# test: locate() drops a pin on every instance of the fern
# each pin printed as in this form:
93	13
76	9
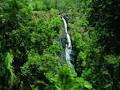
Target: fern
8	64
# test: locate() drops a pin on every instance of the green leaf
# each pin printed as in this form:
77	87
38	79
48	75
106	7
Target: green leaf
87	85
8	60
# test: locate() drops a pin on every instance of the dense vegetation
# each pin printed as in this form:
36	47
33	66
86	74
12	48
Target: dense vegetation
30	47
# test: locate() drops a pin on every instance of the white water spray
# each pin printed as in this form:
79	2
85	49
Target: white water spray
68	48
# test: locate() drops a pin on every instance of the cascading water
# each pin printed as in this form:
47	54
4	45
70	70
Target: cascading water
68	46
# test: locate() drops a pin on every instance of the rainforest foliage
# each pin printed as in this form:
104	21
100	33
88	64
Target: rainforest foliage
30	44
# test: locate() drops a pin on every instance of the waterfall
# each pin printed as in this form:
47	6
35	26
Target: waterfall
68	45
